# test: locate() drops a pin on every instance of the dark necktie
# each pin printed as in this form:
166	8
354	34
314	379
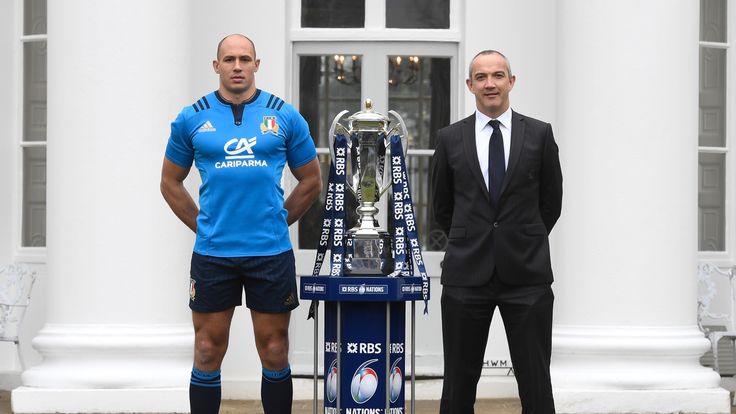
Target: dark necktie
496	162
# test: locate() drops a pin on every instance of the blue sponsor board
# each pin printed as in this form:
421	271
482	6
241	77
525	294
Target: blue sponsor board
371	370
360	289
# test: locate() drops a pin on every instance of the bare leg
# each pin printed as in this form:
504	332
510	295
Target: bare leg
211	334
272	341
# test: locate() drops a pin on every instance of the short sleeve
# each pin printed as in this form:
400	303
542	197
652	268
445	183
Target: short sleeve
180	150
300	146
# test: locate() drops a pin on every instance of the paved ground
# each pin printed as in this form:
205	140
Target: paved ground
495	406
305	407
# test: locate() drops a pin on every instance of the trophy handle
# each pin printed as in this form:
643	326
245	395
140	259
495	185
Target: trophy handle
337	127
399	128
404	133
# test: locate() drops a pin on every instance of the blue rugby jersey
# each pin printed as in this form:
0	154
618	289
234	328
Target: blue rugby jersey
240	152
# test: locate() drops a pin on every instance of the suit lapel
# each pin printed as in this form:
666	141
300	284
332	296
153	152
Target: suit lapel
517	143
471	152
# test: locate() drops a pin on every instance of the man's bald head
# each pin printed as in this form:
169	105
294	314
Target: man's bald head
219	45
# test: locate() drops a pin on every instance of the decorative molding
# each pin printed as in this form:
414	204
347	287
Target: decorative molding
630	358
112	356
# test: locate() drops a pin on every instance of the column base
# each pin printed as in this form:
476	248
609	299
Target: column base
628	369
112	368
90	357
709	400
42	400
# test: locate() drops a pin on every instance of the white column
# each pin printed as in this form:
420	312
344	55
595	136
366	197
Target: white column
118	335
625	335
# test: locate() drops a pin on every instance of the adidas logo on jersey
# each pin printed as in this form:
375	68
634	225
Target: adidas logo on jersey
207	127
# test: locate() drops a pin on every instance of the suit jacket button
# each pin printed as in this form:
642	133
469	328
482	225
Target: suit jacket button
495	224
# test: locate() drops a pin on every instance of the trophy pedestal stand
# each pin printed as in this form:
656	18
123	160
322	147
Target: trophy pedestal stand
364	341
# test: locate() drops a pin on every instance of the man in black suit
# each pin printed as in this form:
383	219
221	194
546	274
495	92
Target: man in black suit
497	193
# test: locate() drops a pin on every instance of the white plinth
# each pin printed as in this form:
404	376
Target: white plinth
108	368
624	369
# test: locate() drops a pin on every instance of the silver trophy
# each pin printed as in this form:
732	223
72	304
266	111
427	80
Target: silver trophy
368	247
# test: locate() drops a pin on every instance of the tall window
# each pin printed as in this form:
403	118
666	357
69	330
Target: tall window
714	160
408	75
418	89
33	138
399	14
402	54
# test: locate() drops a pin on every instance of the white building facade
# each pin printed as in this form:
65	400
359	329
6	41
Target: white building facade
648	190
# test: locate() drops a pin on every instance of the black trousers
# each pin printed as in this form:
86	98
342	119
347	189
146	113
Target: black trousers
466	318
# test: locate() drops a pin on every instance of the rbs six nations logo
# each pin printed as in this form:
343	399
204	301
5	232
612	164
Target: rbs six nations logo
396	381
331	382
365	382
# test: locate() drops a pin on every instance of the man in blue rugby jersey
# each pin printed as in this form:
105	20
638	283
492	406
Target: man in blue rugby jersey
240	138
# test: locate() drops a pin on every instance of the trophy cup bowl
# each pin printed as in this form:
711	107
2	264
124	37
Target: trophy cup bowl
369	250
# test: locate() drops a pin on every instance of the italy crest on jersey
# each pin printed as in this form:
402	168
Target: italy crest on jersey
269	125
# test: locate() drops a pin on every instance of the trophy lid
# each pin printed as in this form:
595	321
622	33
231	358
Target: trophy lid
367	119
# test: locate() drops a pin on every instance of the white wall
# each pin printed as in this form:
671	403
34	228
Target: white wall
524	31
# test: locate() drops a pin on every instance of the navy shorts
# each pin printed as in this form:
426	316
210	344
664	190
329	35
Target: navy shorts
217	283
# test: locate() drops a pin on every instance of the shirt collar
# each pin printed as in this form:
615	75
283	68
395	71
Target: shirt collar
482	119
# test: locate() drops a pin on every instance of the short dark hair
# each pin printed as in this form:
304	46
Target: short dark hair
219	45
488	52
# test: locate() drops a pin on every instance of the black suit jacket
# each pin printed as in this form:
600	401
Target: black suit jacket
511	237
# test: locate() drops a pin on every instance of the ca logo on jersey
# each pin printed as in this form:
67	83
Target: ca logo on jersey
237	146
269	125
240	154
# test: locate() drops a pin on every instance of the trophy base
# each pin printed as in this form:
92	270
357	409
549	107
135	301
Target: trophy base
369	255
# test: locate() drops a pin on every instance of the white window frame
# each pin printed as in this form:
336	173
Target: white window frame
23	253
373	38
727	257
394	41
374	29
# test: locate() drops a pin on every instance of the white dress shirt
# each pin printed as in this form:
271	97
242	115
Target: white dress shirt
483	133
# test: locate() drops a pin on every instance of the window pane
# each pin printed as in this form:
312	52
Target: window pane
34	17
712	125
34	197
418	14
711	202
419	90
34	91
327	86
333	13
713	20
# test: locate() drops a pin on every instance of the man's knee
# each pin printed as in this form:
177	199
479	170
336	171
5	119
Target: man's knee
209	351
275	351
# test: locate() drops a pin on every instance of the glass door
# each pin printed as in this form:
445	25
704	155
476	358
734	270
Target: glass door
419	80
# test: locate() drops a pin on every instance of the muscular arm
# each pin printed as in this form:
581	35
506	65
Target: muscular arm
305	192
178	198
